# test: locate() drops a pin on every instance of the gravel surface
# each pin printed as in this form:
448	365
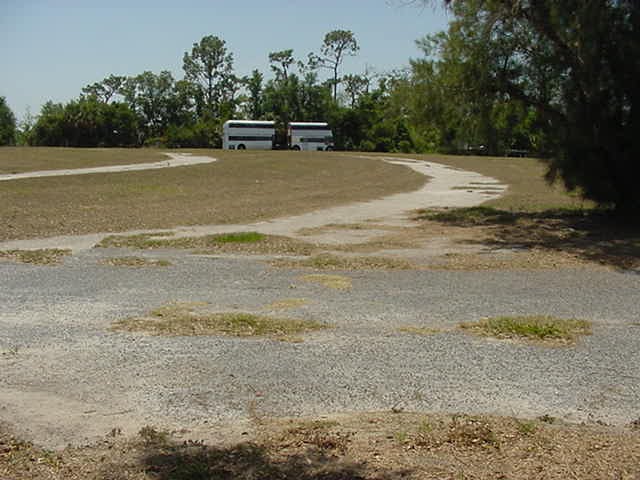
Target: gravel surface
66	378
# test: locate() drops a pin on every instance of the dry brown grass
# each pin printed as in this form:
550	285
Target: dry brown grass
287	304
370	446
186	319
248	243
135	262
334	282
241	187
328	261
557	238
416	330
46	256
30	159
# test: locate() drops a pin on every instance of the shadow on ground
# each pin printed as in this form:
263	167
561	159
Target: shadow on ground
590	235
164	460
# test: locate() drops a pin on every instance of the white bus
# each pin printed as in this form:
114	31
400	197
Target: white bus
309	136
248	134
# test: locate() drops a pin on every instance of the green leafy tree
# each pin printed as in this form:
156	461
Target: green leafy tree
576	64
281	62
337	45
7	124
153	98
209	67
106	89
254	102
85	122
354	86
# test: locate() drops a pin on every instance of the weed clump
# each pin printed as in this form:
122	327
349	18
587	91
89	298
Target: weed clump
537	327
181	319
134	262
45	256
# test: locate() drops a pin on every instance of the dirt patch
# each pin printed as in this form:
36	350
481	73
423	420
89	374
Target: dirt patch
364	446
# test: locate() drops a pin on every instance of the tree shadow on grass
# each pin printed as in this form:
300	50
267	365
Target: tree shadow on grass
163	459
590	235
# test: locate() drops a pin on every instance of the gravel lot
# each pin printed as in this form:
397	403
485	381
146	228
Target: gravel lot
67	378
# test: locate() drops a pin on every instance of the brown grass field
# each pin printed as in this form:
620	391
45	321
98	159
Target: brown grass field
240	187
31	159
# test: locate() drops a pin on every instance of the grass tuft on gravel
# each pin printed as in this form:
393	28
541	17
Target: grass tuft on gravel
182	319
287	304
334	282
414	330
46	256
251	243
327	261
537	327
148	241
134	262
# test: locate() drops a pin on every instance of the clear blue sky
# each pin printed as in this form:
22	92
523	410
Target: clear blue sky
50	49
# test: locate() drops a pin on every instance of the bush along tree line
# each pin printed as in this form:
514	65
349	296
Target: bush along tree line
552	78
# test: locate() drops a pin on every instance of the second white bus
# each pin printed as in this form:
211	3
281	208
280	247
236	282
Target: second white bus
309	136
248	134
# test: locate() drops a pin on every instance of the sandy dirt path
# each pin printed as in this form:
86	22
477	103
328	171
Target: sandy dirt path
447	187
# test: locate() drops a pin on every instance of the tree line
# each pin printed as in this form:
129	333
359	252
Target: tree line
368	111
551	78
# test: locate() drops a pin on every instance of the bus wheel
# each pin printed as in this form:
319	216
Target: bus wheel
295	147
241	147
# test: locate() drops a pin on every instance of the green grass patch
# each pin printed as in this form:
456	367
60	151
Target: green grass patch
46	256
239	237
536	327
182	319
149	241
